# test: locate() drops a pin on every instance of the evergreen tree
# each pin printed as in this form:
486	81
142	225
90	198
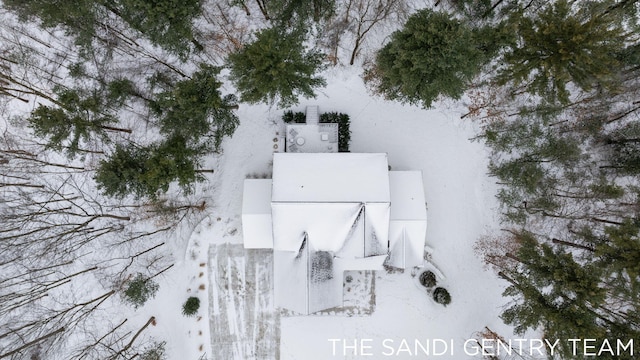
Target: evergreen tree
119	91
276	68
167	23
300	11
139	290
432	55
191	306
80	117
194	109
124	172
554	292
619	252
78	18
150	170
562	44
175	159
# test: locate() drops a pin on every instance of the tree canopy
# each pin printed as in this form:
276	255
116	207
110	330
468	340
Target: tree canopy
434	54
195	110
564	43
167	23
149	170
80	116
276	68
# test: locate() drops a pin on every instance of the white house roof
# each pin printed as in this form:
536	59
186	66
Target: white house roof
326	225
349	230
406	243
330	177
408	220
256	198
407	195
256	214
324	213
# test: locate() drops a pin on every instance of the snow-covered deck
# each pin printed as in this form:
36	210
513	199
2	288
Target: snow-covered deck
312	138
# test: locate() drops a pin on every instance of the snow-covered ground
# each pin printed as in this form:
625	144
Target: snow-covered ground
461	208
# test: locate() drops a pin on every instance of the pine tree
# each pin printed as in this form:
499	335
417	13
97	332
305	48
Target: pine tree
562	44
554	292
276	68
139	290
300	11
619	252
78	18
167	23
80	117
178	161
432	55
191	306
195	110
123	172
148	171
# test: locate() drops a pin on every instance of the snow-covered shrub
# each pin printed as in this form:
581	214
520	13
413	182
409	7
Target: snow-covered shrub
191	306
428	279
294	117
441	296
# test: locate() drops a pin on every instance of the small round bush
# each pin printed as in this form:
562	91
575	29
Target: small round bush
428	279
191	307
441	296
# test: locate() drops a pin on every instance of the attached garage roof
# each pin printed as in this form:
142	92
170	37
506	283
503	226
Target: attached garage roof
407	196
256	198
256	214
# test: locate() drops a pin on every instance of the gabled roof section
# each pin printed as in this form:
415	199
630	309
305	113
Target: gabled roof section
327	226
330	177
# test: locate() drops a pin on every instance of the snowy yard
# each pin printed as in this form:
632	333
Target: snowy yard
123	171
461	208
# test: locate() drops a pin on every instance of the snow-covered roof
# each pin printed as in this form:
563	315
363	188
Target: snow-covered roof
256	214
256	198
330	177
306	281
408	223
407	195
350	230
314	243
406	243
331	213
